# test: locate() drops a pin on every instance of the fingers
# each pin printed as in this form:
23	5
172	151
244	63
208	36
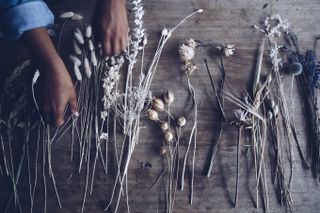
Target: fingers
114	45
58	117
107	47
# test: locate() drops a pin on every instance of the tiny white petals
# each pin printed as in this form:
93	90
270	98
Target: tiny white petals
76	48
79	37
89	31
87	68
77	72
66	15
75	60
76	17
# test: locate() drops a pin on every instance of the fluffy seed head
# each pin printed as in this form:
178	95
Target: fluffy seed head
186	52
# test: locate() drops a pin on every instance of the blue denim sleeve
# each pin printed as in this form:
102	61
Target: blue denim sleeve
25	15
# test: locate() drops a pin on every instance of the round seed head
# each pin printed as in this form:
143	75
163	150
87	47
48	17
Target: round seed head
153	115
164	126
168	136
181	121
157	104
168	97
295	68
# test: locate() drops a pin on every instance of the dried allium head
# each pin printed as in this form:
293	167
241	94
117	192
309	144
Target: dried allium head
65	15
168	97
168	136
157	104
186	52
164	126
153	115
181	121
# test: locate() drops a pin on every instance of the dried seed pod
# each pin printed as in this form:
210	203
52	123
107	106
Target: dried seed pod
168	136
77	72
94	58
90	44
181	121
153	115
76	17
75	60
157	104
163	150
164	126
65	15
89	31
79	37
295	68
76	48
168	97
87	67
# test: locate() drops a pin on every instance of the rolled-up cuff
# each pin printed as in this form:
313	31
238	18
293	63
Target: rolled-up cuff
24	17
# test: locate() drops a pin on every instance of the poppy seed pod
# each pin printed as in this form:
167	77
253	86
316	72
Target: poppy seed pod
157	104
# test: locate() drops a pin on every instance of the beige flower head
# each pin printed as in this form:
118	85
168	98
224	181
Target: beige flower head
157	104
153	115
186	52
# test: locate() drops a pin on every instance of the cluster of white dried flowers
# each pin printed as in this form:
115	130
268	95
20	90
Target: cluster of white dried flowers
226	50
187	53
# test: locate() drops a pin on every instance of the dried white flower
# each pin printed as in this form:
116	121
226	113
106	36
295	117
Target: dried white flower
153	115
227	50
168	136
157	104
65	15
168	97
164	126
79	37
90	44
75	60
76	48
76	17
186	52
89	31
77	72
181	121
94	58
87	68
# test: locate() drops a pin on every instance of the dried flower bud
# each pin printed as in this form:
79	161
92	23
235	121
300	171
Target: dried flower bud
164	126
157	104
228	50
87	67
90	44
181	121
65	15
186	52
79	37
75	60
168	136
168	97
153	115
295	68
76	48
77	72
163	150
76	17
89	31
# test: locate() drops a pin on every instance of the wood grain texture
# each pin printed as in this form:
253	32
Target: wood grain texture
229	22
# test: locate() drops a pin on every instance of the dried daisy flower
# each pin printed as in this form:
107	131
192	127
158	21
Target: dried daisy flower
181	121
66	15
168	136
168	97
186	52
157	104
153	115
164	126
88	31
227	50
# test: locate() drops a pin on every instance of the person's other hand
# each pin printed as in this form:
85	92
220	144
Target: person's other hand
110	24
55	86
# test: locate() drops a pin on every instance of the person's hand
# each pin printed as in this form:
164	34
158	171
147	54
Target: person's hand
56	87
57	92
110	24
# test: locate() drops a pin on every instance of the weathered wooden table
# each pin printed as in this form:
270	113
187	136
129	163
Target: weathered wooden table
229	22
